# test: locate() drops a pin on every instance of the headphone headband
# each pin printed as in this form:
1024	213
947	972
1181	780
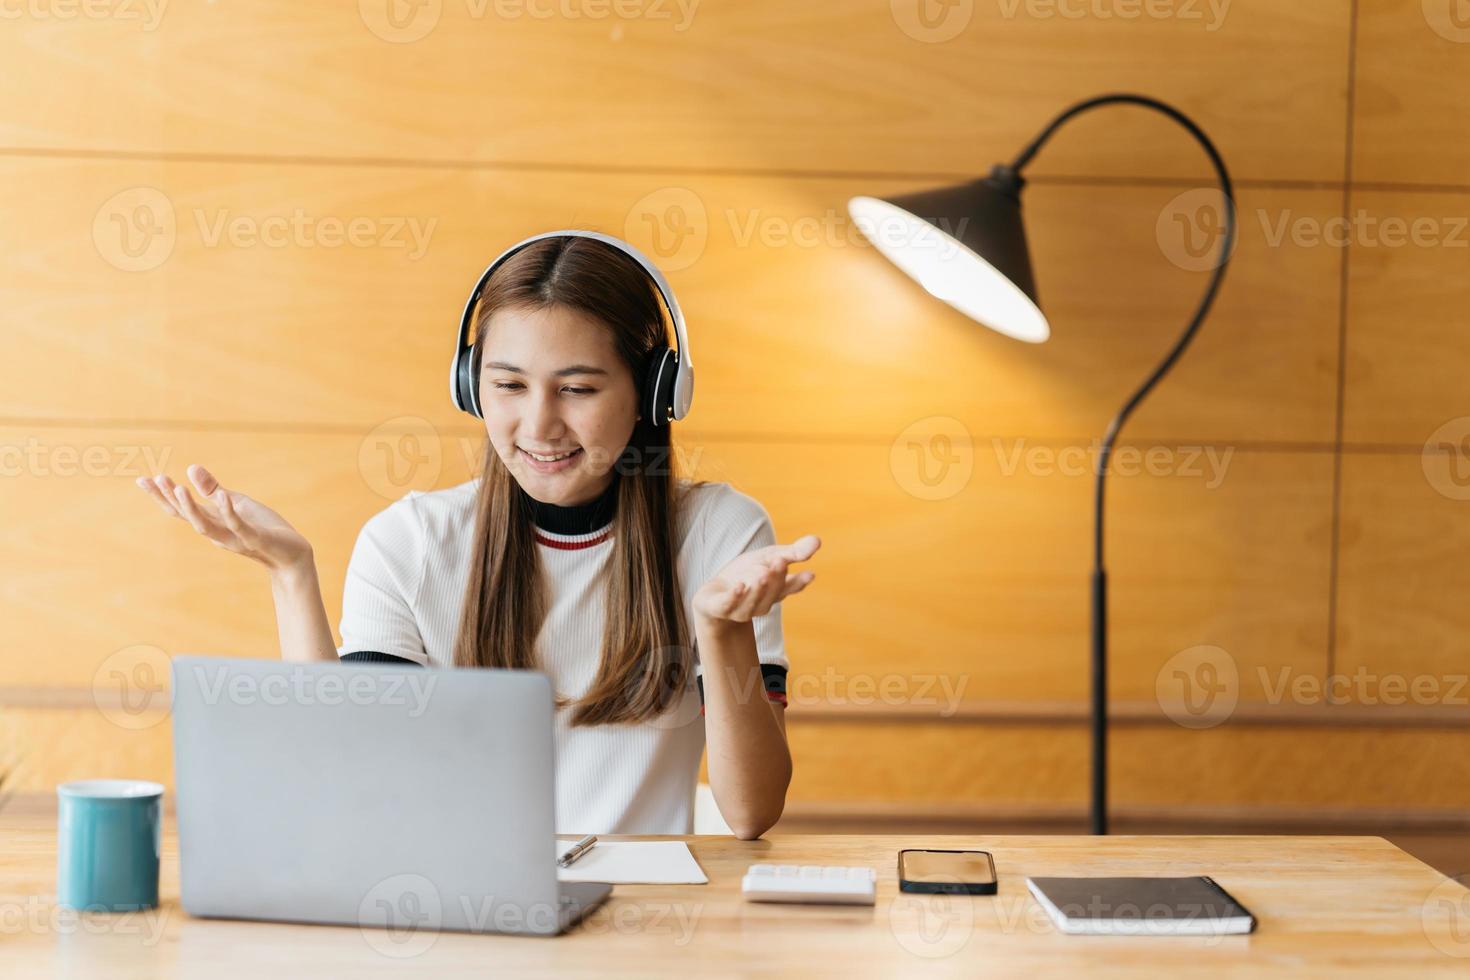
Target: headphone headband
677	390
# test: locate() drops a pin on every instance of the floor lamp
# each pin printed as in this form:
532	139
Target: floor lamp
966	245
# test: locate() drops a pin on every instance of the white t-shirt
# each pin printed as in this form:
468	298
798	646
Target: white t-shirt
405	590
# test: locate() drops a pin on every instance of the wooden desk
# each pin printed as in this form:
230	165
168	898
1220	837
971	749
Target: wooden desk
1344	906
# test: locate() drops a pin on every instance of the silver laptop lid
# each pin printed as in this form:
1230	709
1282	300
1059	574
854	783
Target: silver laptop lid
364	794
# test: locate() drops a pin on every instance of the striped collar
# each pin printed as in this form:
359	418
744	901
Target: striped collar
571	542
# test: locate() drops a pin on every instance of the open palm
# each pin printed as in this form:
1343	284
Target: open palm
755	581
232	520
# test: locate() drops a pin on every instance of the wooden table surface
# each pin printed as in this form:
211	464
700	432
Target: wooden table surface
1338	906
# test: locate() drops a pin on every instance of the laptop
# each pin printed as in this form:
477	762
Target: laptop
369	795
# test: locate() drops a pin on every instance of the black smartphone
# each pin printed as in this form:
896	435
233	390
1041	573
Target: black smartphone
946	872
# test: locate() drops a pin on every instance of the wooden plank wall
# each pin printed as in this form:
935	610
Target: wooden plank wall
239	234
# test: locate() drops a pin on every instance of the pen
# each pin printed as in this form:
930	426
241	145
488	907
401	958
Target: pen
578	849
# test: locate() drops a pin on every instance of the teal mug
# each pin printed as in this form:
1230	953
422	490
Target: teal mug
108	836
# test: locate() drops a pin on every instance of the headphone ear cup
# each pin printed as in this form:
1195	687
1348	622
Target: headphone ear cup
658	386
469	364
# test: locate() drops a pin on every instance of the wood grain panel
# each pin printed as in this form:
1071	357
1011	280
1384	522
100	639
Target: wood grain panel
1408	337
939	764
1410	116
1402	622
107	571
830	85
797	325
944	599
985	592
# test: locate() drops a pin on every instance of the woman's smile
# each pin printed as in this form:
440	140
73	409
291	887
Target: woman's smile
552	462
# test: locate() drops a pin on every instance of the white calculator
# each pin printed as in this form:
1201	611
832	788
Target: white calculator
813	883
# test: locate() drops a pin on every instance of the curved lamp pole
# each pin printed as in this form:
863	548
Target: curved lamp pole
967	246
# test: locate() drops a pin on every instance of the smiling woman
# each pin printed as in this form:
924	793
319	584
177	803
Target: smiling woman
651	601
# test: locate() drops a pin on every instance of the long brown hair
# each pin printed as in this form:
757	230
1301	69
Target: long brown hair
645	661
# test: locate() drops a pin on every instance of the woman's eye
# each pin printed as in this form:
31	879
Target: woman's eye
579	391
507	386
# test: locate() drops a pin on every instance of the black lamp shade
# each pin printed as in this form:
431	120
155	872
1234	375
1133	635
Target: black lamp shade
964	244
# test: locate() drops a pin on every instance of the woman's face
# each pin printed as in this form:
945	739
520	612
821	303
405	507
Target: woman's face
552	384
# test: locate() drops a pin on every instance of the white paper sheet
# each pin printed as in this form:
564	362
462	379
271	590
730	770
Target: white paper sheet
634	862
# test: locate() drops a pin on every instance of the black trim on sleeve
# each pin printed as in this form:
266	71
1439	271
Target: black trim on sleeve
375	657
773	676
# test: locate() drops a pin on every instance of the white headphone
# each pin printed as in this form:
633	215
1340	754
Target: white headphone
668	384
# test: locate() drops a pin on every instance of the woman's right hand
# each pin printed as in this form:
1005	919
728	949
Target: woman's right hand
235	522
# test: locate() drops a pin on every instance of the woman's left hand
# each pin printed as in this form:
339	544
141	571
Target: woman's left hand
755	581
